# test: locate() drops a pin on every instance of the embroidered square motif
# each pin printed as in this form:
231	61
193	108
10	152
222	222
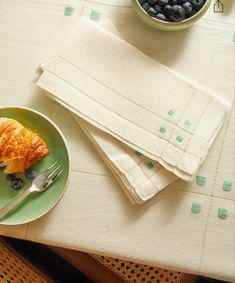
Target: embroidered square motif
138	153
201	181
227	185
150	165
68	11
95	16
171	112
196	207
162	130
222	213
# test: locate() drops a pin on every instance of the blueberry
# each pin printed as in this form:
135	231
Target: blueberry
174	2
151	11
197	4
146	6
158	9
142	2
166	10
162	2
17	183
30	173
152	2
188	8
177	13
160	17
10	177
193	13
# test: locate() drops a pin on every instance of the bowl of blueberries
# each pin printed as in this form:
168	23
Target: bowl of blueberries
170	15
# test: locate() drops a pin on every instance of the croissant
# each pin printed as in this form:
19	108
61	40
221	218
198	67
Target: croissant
20	148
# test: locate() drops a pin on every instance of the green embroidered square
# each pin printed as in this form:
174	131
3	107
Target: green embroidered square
138	153
95	16
187	123
234	37
68	11
179	138
196	207
171	112
201	181
162	130
222	213
227	185
150	165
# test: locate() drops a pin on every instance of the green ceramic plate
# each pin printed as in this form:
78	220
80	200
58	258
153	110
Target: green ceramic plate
37	204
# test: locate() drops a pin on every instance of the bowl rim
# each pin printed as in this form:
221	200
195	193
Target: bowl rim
173	24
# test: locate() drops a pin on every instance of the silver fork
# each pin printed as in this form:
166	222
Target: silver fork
39	184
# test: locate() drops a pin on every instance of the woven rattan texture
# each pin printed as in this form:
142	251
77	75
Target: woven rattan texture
139	273
13	270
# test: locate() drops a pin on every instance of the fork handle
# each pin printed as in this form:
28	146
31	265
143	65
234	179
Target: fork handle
18	199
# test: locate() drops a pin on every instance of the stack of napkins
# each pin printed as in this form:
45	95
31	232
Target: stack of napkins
149	124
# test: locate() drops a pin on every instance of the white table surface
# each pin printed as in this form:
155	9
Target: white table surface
95	215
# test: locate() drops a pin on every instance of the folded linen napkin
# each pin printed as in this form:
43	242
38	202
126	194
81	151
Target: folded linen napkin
140	177
150	109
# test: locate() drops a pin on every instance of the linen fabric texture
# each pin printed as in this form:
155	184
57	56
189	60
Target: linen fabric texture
149	129
162	231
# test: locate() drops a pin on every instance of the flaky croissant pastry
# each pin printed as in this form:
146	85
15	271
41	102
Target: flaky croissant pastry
20	148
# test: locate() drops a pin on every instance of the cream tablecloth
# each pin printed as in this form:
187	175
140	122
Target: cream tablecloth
94	214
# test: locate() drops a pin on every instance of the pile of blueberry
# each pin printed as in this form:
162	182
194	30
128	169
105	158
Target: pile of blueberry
18	183
171	10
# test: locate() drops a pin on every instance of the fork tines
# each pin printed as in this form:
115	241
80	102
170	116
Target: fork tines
53	172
